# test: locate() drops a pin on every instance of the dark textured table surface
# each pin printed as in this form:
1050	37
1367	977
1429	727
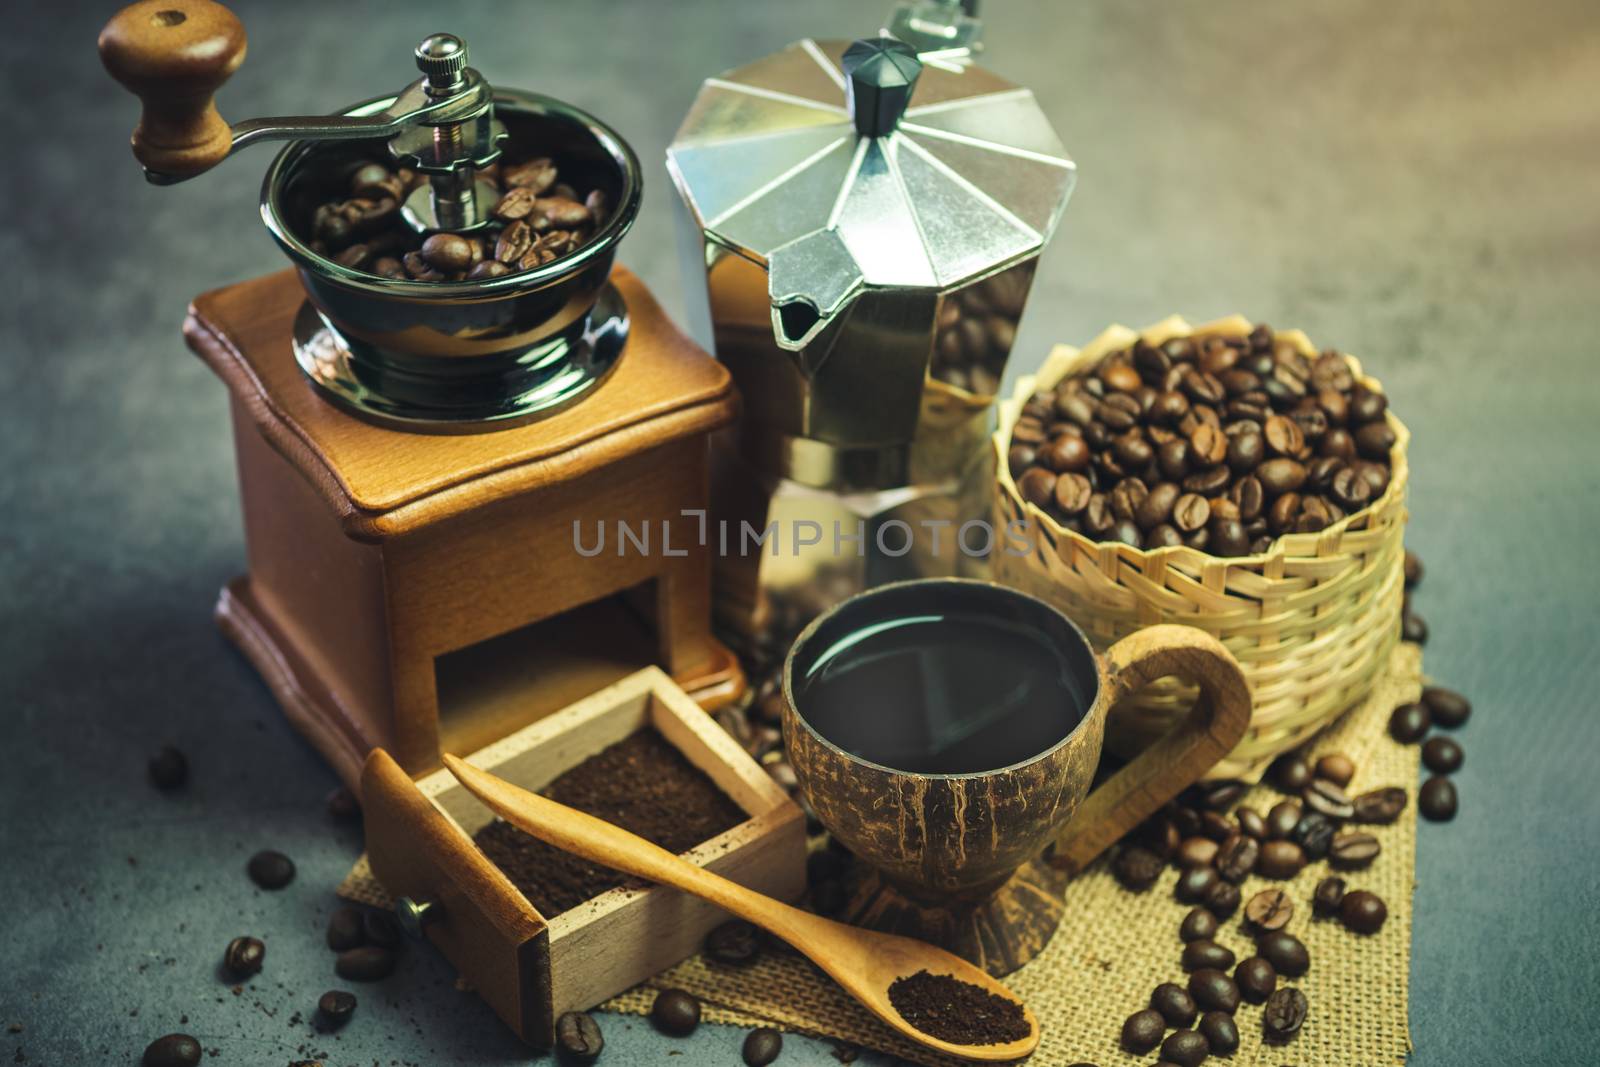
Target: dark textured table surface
1416	183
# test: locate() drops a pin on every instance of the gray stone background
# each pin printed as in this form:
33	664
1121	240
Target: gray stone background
1415	183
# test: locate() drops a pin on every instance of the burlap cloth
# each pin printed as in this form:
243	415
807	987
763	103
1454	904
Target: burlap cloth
1115	946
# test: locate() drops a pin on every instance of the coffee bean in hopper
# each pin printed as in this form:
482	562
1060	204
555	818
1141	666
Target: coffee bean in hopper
761	1047
174	1050
1327	897
1409	723
1283	1015
1270	909
1285	952
1381	806
1363	912
1198	925
1442	755
1256	979
578	1036
243	957
334	1008
1221	1032
1186	1048
1436	800
1142	1031
270	870
735	943
675	1012
1174	1004
370	963
1213	990
1449	708
1353	851
168	769
1199	955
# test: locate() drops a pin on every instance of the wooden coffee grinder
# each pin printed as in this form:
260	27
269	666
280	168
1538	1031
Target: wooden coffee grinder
426	465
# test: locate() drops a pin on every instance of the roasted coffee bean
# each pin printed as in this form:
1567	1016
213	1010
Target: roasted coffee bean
1325	899
1221	1032
1280	860
1195	883
1247	495
1190	512
1284	436
270	870
1413	569
516	204
1284	1014
1327	798
1256	979
168	769
1157	835
1251	823
1173	1002
1285	952
1246	451
1197	852
1068	452
345	929
1350	489
176	1050
1374	440
1133	451
737	943
1379	806
1216	826
1020	457
1221	794
1198	925
578	1036
342	805
1228	537
382	928
1336	768
1281	475
1157	506
1186	1048
1363	912
1282	818
1409	723
1137	868
675	1012
1413	628
1442	755
243	957
1038	487
1163	536
1213	990
370	963
1436	800
1290	772
334	1008
1222	899
488	268
447	252
1206	481
1450	710
1237	857
1201	954
1270	909
1072	493
536	174
1120	376
1314	833
761	1047
1142	1031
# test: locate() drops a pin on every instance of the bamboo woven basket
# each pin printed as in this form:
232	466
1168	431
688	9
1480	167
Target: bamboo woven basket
1312	621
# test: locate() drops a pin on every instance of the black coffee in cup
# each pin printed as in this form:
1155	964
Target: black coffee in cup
932	684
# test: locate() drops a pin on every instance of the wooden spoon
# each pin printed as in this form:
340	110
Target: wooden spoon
864	962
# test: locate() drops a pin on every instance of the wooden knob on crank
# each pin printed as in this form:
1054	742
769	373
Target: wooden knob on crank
173	55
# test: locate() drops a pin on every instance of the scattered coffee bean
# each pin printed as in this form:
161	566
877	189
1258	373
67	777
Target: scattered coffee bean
1290	772
1282	818
1222	899
1237	858
1142	1031
1327	897
1442	755
168	769
762	1047
1329	799
1269	909
345	930
1413	569
578	1036
675	1012
1409	723
1450	709
1198	955
1198	925
1437	800
174	1050
1221	1032
243	957
1285	952
1313	833
1187	821
1186	1048
1380	806
1280	860
1353	851
1197	852
270	870
1251	824
342	805
1158	836
736	943
335	1007
382	928
1363	912
1195	883
1283	1015
1174	1003
1221	794
1256	979
1414	628
1137	868
1213	990
1336	768
370	963
1217	826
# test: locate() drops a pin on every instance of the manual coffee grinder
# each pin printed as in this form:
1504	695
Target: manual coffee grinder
424	462
866	219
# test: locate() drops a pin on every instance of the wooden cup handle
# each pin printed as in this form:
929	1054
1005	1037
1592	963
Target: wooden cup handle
174	55
1217	721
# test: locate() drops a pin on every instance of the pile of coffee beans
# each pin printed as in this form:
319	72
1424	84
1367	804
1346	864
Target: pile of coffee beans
1218	443
537	219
